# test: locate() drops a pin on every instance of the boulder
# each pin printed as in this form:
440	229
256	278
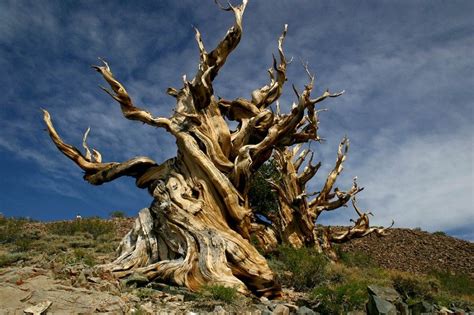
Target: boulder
382	300
385	293
402	308
303	310
379	306
147	308
421	307
458	311
281	309
39	308
219	310
136	279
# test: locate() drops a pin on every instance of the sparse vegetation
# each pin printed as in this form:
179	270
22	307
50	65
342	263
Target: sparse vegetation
145	293
94	226
355	259
13	231
117	214
440	233
301	268
414	287
335	288
455	284
341	298
219	293
8	259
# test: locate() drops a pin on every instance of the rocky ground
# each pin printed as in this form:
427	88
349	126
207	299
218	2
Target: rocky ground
417	251
52	270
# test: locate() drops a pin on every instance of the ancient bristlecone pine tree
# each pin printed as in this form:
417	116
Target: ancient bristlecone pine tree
198	228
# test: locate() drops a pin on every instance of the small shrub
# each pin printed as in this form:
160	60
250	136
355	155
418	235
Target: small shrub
9	259
117	214
94	226
83	256
23	244
219	293
457	284
439	233
301	268
145	293
355	259
341	298
76	256
415	287
10	229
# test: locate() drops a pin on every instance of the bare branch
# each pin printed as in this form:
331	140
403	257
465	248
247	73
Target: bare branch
360	229
325	95
218	56
331	179
96	172
268	94
119	94
85	146
316	206
309	171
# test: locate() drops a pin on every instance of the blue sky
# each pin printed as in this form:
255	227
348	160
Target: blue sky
406	67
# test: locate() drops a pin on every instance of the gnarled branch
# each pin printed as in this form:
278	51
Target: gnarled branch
360	229
129	110
97	172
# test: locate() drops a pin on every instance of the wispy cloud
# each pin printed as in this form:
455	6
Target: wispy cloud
407	108
424	182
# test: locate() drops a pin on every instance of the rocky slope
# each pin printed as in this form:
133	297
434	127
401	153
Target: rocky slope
50	265
417	251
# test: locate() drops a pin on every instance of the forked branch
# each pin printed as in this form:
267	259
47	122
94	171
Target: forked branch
360	229
129	110
97	172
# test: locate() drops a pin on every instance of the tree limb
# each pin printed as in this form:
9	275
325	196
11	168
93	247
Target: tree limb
119	94
96	172
360	229
331	179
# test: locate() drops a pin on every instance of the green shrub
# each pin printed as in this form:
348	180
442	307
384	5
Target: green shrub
341	298
458	284
415	287
8	259
219	293
94	226
145	293
10	229
262	198
355	259
439	233
13	231
117	214
83	256
301	268
77	256
24	243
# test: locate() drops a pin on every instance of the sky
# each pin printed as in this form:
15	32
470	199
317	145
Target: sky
406	66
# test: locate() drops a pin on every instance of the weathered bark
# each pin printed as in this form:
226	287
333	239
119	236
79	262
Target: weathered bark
295	220
198	228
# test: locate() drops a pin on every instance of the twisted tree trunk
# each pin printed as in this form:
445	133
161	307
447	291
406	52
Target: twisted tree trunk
198	228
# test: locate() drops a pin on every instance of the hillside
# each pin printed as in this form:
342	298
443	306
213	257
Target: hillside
416	251
57	262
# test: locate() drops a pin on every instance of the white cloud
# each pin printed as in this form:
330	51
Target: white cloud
426	181
406	72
